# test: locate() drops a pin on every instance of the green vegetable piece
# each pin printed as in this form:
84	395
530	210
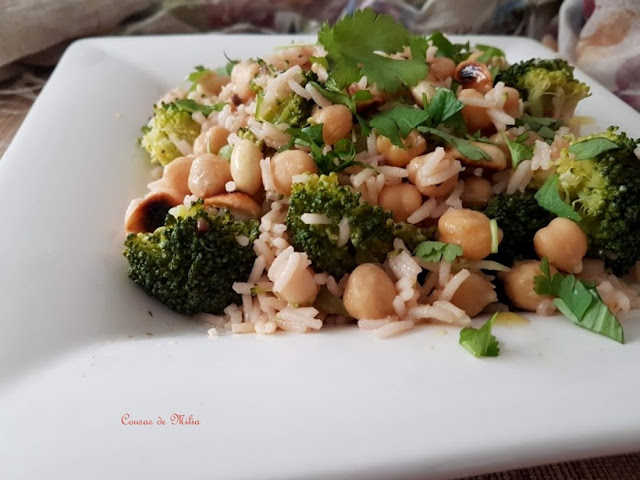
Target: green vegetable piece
579	302
495	235
372	229
191	263
352	44
458	52
547	86
432	251
169	122
191	106
465	147
488	52
480	342
519	217
519	151
592	147
548	198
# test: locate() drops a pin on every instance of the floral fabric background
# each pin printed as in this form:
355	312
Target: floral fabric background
602	37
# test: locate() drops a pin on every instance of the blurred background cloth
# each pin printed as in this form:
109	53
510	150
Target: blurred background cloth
602	37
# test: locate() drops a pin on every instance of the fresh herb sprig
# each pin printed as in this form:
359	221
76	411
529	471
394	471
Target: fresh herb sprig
341	156
432	251
548	197
354	46
480	342
579	301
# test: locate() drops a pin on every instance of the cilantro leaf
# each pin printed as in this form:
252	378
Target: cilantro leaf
431	251
197	75
463	146
457	52
398	122
548	198
519	151
592	147
488	52
480	342
336	96
579	301
543	126
443	106
191	106
340	157
353	45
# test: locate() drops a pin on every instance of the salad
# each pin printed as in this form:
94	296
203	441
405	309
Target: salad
387	180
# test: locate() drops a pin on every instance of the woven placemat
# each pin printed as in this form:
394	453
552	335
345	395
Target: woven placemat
623	467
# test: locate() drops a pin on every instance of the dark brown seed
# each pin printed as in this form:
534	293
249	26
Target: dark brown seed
202	225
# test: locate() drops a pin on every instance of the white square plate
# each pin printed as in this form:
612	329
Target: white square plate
79	348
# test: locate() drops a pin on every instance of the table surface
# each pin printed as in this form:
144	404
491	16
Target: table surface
622	467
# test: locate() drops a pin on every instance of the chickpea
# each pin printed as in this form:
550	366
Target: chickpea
519	284
512	102
477	192
441	68
425	88
285	165
245	166
302	290
421	179
212	82
475	118
241	77
414	145
176	175
215	137
369	293
336	122
475	75
475	293
563	242
208	175
402	199
496	162
469	229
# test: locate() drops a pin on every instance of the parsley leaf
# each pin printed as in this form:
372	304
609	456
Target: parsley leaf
197	75
592	147
488	52
579	301
548	198
336	96
457	52
431	251
398	122
340	157
543	126
463	146
191	106
352	45
519	151
480	342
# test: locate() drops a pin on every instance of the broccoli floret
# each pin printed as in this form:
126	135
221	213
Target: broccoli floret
372	229
520	217
168	125
291	109
191	263
605	191
547	86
